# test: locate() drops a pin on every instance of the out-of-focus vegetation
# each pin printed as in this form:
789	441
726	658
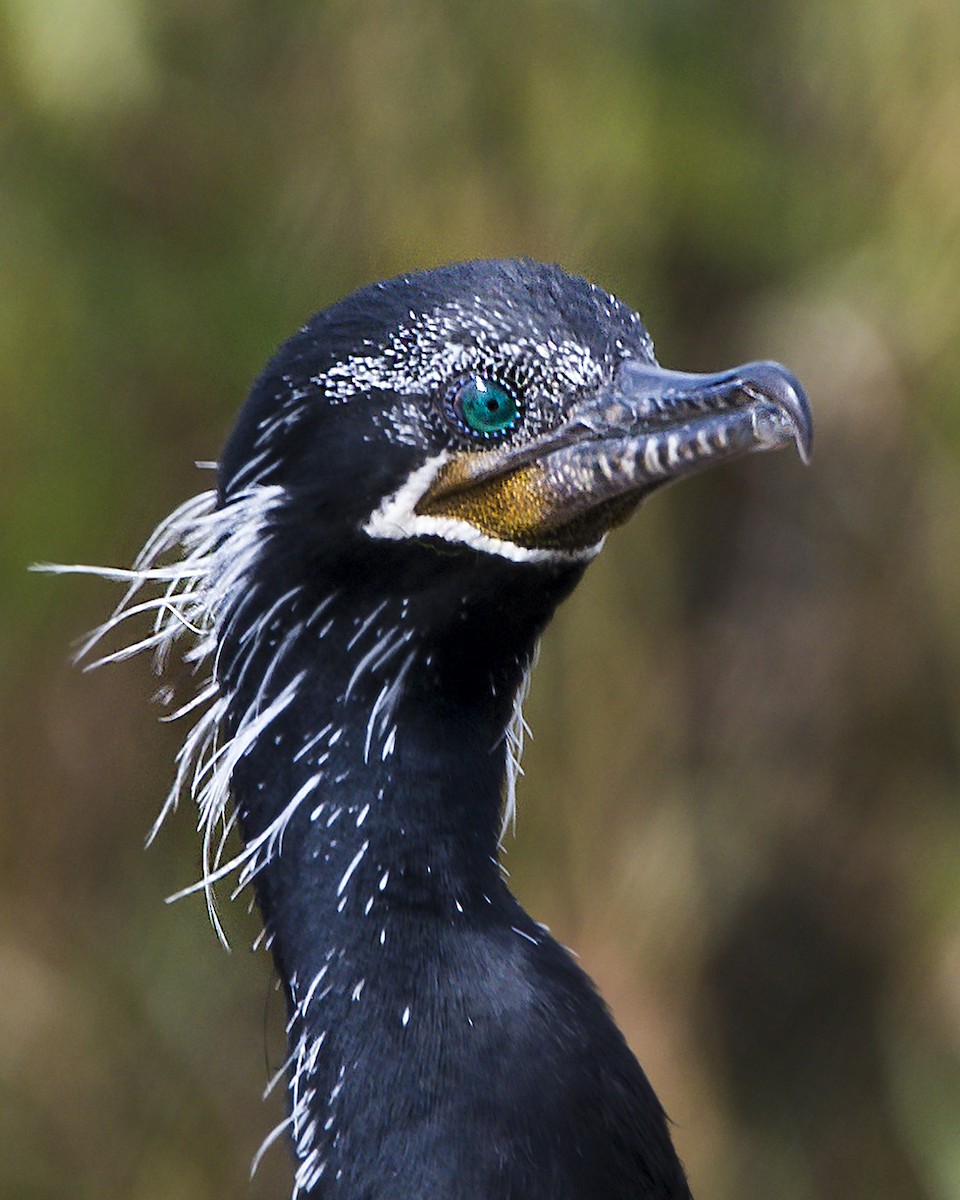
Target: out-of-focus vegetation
742	799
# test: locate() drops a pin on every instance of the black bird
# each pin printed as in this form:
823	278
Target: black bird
419	476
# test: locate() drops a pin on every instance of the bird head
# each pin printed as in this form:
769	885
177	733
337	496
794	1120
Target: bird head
489	417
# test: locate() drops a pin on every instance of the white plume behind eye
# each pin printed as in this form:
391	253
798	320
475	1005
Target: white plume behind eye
210	553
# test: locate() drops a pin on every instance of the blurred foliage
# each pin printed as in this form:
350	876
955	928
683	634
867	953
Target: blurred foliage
742	796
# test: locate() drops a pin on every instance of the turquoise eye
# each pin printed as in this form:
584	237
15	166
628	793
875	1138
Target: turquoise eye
485	407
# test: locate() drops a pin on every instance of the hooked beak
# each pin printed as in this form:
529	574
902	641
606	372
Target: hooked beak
566	488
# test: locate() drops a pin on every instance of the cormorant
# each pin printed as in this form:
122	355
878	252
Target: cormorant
419	476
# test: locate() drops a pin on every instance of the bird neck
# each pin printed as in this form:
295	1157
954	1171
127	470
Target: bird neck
371	736
381	744
372	801
367	759
380	798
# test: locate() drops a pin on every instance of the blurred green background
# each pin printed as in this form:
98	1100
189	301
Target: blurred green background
741	803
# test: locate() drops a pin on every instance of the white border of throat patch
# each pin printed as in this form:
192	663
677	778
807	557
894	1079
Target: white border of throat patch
397	519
